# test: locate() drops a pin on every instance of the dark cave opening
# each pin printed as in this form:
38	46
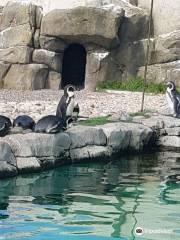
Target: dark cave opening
74	66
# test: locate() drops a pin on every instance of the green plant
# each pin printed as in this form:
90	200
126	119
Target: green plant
95	121
134	85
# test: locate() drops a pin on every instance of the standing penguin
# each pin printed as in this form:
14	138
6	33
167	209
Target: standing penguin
173	98
66	104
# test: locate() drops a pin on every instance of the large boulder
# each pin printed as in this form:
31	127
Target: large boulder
96	68
39	145
18	35
26	77
124	136
15	14
134	25
159	73
54	44
134	56
52	59
90	152
18	54
84	24
167	48
82	136
3	70
7	161
53	81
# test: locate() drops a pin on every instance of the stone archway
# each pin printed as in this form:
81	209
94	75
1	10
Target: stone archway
74	66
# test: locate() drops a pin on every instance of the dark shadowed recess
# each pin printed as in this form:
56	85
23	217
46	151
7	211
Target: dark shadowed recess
74	66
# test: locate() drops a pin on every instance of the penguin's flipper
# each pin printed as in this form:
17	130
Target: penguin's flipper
54	128
178	104
2	128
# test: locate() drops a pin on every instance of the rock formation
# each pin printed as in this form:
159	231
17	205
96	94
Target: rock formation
35	34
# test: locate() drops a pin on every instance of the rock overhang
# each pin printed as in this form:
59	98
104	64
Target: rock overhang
84	24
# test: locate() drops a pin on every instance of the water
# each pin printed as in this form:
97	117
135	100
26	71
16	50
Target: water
95	201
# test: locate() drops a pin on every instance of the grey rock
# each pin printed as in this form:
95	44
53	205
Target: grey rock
167	48
159	73
90	152
18	54
160	122
15	13
36	38
18	35
6	153
134	56
134	25
82	136
169	141
84	24
52	59
3	70
26	77
28	164
175	131
122	136
39	145
118	135
53	44
96	68
7	170
54	80
39	15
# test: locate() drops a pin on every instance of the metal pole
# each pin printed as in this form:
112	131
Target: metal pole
147	56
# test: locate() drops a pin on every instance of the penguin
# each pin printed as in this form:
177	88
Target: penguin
50	124
75	112
24	121
66	104
173	98
5	125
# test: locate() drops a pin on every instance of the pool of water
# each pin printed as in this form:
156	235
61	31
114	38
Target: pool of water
95	201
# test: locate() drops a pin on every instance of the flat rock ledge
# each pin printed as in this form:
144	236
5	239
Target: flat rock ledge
31	152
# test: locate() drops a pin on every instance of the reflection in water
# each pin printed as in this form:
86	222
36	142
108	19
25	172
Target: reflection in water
95	201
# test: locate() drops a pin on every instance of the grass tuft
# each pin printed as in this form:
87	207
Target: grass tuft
134	85
95	121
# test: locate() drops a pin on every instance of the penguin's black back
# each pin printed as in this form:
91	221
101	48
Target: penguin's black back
5	124
49	124
24	121
62	107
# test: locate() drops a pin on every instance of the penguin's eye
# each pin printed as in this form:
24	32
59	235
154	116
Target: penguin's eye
71	89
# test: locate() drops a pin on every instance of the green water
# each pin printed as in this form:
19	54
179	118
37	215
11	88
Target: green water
95	201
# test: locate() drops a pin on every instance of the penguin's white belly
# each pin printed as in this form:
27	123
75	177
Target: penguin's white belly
169	100
70	107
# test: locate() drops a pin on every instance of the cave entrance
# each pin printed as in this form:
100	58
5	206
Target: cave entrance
74	66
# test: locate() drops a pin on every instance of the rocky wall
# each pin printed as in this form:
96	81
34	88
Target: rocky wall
32	152
113	33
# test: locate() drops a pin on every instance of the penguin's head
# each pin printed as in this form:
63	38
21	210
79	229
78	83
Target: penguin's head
171	86
69	90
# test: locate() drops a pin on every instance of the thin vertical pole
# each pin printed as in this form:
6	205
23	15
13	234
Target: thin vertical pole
147	56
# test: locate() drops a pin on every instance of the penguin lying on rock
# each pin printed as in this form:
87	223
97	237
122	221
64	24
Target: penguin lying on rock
5	125
173	98
67	105
51	124
24	122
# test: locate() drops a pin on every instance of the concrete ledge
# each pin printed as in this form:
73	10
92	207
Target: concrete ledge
22	153
32	152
